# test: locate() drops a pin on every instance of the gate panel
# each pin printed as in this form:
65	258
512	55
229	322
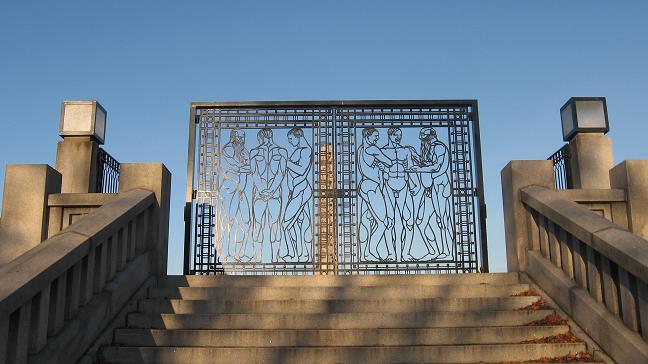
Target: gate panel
335	188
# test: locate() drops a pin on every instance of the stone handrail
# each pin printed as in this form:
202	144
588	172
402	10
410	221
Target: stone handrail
594	269
50	286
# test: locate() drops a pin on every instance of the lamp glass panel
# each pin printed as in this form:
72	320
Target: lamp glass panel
566	117
77	118
590	114
100	124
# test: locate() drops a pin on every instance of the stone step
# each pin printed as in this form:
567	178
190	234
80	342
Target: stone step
331	281
384	354
350	292
335	320
332	306
349	337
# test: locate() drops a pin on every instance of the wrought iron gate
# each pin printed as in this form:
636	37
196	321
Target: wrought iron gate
342	187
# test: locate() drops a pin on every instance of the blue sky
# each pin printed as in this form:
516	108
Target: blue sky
146	61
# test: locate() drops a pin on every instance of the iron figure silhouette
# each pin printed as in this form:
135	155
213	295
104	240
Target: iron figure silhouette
375	217
235	167
268	166
297	217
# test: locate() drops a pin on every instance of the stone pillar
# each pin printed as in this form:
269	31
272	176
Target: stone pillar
76	159
24	207
591	161
156	178
632	176
517	175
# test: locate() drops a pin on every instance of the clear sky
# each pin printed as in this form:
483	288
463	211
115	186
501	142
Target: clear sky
146	61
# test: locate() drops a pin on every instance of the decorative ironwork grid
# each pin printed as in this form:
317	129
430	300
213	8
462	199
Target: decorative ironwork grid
107	173
561	167
331	189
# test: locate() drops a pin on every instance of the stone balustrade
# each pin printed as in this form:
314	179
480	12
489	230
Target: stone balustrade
595	270
59	296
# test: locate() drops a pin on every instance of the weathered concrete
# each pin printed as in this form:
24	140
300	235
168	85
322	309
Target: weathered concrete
615	243
591	161
337	281
64	279
24	207
76	159
154	177
623	345
364	320
632	176
387	292
101	314
379	304
67	208
349	337
516	175
399	354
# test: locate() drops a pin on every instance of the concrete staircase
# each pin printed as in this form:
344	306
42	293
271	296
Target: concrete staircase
471	318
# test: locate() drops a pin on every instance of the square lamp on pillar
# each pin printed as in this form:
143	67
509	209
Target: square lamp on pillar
584	115
83	118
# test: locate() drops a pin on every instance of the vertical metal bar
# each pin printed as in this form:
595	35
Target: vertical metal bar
191	153
480	187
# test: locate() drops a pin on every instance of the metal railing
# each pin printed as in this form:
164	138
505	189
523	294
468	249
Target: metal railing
561	168
107	173
57	281
607	262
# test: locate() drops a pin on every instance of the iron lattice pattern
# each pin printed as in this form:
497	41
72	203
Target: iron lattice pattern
107	173
561	168
335	190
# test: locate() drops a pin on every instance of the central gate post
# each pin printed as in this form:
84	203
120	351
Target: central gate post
327	212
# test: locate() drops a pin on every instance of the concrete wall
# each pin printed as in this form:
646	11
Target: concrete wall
24	207
516	175
632	176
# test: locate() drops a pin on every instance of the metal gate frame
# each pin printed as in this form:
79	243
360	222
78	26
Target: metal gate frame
326	195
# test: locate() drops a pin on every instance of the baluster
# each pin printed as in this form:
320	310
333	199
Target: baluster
74	290
628	304
642	293
87	276
566	250
4	337
580	267
100	267
113	248
39	320
532	227
18	340
554	245
610	287
123	247
544	238
593	275
132	238
142	231
57	305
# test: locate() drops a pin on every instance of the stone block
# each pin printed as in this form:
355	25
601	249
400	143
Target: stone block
515	176
24	207
632	176
591	161
154	177
76	159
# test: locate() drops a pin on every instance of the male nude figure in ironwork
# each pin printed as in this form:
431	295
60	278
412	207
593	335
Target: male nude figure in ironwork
375	216
268	166
401	187
436	226
297	217
236	169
